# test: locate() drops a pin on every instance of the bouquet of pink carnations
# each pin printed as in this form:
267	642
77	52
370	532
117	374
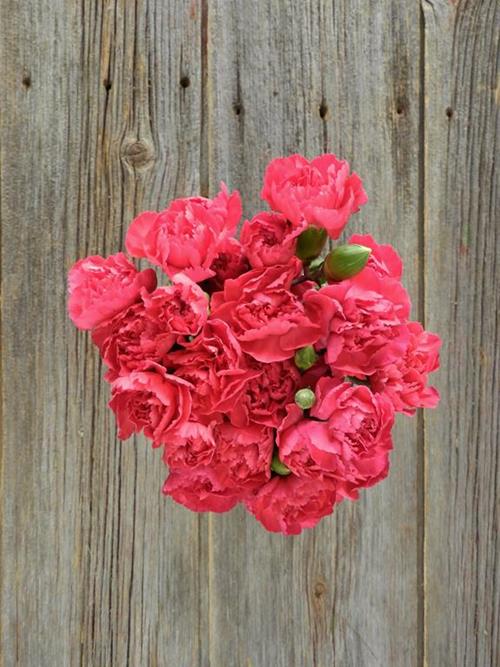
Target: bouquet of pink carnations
266	370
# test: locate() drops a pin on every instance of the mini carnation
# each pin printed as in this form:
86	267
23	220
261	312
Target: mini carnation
265	397
269	239
201	489
188	235
405	380
348	440
130	339
290	504
365	331
151	401
216	367
322	192
268	320
100	287
383	259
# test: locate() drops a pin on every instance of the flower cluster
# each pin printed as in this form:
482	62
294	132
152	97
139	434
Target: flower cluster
267	373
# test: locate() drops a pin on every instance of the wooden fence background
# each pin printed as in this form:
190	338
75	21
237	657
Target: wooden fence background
113	106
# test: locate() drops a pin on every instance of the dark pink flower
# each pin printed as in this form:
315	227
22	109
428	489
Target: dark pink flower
348	440
130	339
244	453
405	380
289	504
268	320
216	367
151	401
229	263
270	239
265	397
201	489
182	307
322	192
188	235
192	445
100	287
365	332
383	259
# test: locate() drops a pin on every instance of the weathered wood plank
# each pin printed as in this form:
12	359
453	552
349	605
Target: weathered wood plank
314	77
462	303
98	568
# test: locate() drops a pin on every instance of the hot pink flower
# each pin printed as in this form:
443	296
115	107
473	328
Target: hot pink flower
229	263
201	489
269	321
232	461
404	381
151	401
349	440
188	235
265	397
289	504
100	287
182	306
365	330
270	239
131	338
383	259
322	191
244	453
215	365
192	445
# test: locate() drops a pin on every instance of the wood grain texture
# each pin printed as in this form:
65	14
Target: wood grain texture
287	77
112	107
462	279
98	569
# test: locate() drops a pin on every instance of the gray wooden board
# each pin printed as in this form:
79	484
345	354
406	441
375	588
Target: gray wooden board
113	107
462	302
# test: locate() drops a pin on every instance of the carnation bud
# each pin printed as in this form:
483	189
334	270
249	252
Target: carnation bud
345	261
279	467
305	398
310	243
305	357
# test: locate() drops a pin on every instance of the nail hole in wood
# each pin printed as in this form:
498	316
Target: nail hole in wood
400	110
107	84
237	108
26	81
185	82
323	109
449	112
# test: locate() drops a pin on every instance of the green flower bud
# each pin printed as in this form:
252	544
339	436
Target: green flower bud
305	357
310	243
345	261
305	398
278	467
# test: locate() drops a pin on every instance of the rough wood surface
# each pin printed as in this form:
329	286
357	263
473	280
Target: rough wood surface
462	302
111	107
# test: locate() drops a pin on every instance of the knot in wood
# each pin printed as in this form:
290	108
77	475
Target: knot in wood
319	589
138	153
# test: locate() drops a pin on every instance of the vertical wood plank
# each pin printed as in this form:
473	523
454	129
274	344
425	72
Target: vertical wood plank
98	569
314	77
462	277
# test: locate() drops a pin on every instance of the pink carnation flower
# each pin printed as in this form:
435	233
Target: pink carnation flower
216	367
100	287
365	332
404	381
268	320
348	440
151	401
270	239
290	504
322	192
383	259
188	235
